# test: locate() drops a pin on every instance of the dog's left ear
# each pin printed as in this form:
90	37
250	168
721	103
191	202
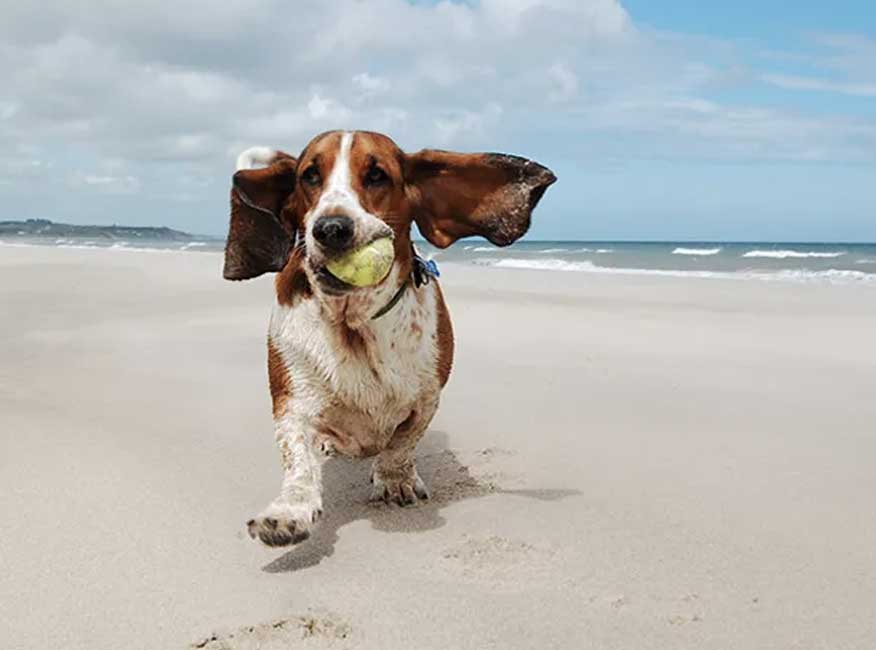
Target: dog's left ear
457	195
258	242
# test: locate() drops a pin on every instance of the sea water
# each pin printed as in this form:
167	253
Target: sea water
776	260
830	262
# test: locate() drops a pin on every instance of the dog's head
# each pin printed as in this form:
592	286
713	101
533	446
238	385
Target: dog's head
347	189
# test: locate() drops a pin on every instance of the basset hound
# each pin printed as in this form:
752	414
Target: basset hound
359	371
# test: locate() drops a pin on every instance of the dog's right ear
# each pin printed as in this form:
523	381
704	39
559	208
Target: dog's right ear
257	240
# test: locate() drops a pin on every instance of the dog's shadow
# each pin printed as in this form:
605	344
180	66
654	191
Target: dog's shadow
345	492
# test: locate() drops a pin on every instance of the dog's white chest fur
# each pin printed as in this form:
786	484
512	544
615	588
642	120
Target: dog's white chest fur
360	382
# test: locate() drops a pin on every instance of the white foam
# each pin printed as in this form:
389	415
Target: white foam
543	265
91	246
696	251
553	250
10	244
785	254
838	276
482	249
114	247
835	276
85	246
598	251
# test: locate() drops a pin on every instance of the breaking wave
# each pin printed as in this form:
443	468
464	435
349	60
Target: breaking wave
785	254
696	251
829	275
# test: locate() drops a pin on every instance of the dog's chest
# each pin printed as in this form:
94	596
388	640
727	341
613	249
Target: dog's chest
372	375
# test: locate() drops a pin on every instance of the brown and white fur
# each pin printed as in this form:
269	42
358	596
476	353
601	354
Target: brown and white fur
342	382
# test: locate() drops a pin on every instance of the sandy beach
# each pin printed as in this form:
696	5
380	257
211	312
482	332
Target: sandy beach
624	462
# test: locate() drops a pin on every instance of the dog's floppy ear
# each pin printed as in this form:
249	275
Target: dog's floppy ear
456	195
257	240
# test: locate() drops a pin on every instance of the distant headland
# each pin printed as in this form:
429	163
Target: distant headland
46	228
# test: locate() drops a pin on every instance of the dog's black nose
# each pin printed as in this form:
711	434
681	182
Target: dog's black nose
334	232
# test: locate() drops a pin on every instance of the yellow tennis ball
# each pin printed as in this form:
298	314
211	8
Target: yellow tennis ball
365	266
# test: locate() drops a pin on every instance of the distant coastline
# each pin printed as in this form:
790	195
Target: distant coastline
47	228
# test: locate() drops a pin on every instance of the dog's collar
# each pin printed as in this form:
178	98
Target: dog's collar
422	273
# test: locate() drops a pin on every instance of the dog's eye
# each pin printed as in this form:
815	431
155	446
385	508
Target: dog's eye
376	176
311	176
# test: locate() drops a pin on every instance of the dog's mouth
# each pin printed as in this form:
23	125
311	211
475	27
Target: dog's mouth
330	284
333	285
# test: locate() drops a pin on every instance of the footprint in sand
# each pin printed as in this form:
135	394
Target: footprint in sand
472	473
484	461
313	630
452	480
693	614
503	563
684	620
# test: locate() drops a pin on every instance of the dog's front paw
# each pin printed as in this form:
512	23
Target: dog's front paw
285	522
403	487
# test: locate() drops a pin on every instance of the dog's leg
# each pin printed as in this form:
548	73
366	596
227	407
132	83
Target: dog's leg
290	518
394	477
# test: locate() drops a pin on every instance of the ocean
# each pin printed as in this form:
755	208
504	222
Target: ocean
800	262
769	261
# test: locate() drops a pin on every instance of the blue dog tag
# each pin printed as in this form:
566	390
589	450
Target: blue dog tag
432	268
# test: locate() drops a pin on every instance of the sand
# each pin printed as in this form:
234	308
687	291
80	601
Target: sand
618	462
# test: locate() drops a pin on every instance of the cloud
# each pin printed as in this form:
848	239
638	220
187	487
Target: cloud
167	94
120	184
696	129
792	82
838	63
370	85
449	126
844	63
851	55
566	82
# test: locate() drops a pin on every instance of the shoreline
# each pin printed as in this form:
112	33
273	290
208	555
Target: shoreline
828	277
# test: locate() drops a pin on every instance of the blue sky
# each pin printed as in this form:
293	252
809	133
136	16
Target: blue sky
663	120
774	22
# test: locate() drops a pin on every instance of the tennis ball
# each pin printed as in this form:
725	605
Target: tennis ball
365	266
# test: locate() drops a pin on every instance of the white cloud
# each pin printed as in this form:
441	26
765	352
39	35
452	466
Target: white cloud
90	179
841	64
565	80
325	109
7	110
370	85
792	82
471	123
105	184
692	128
174	91
19	169
849	54
602	17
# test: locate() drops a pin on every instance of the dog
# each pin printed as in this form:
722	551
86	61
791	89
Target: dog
359	371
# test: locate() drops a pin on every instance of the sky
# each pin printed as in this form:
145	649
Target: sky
675	120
